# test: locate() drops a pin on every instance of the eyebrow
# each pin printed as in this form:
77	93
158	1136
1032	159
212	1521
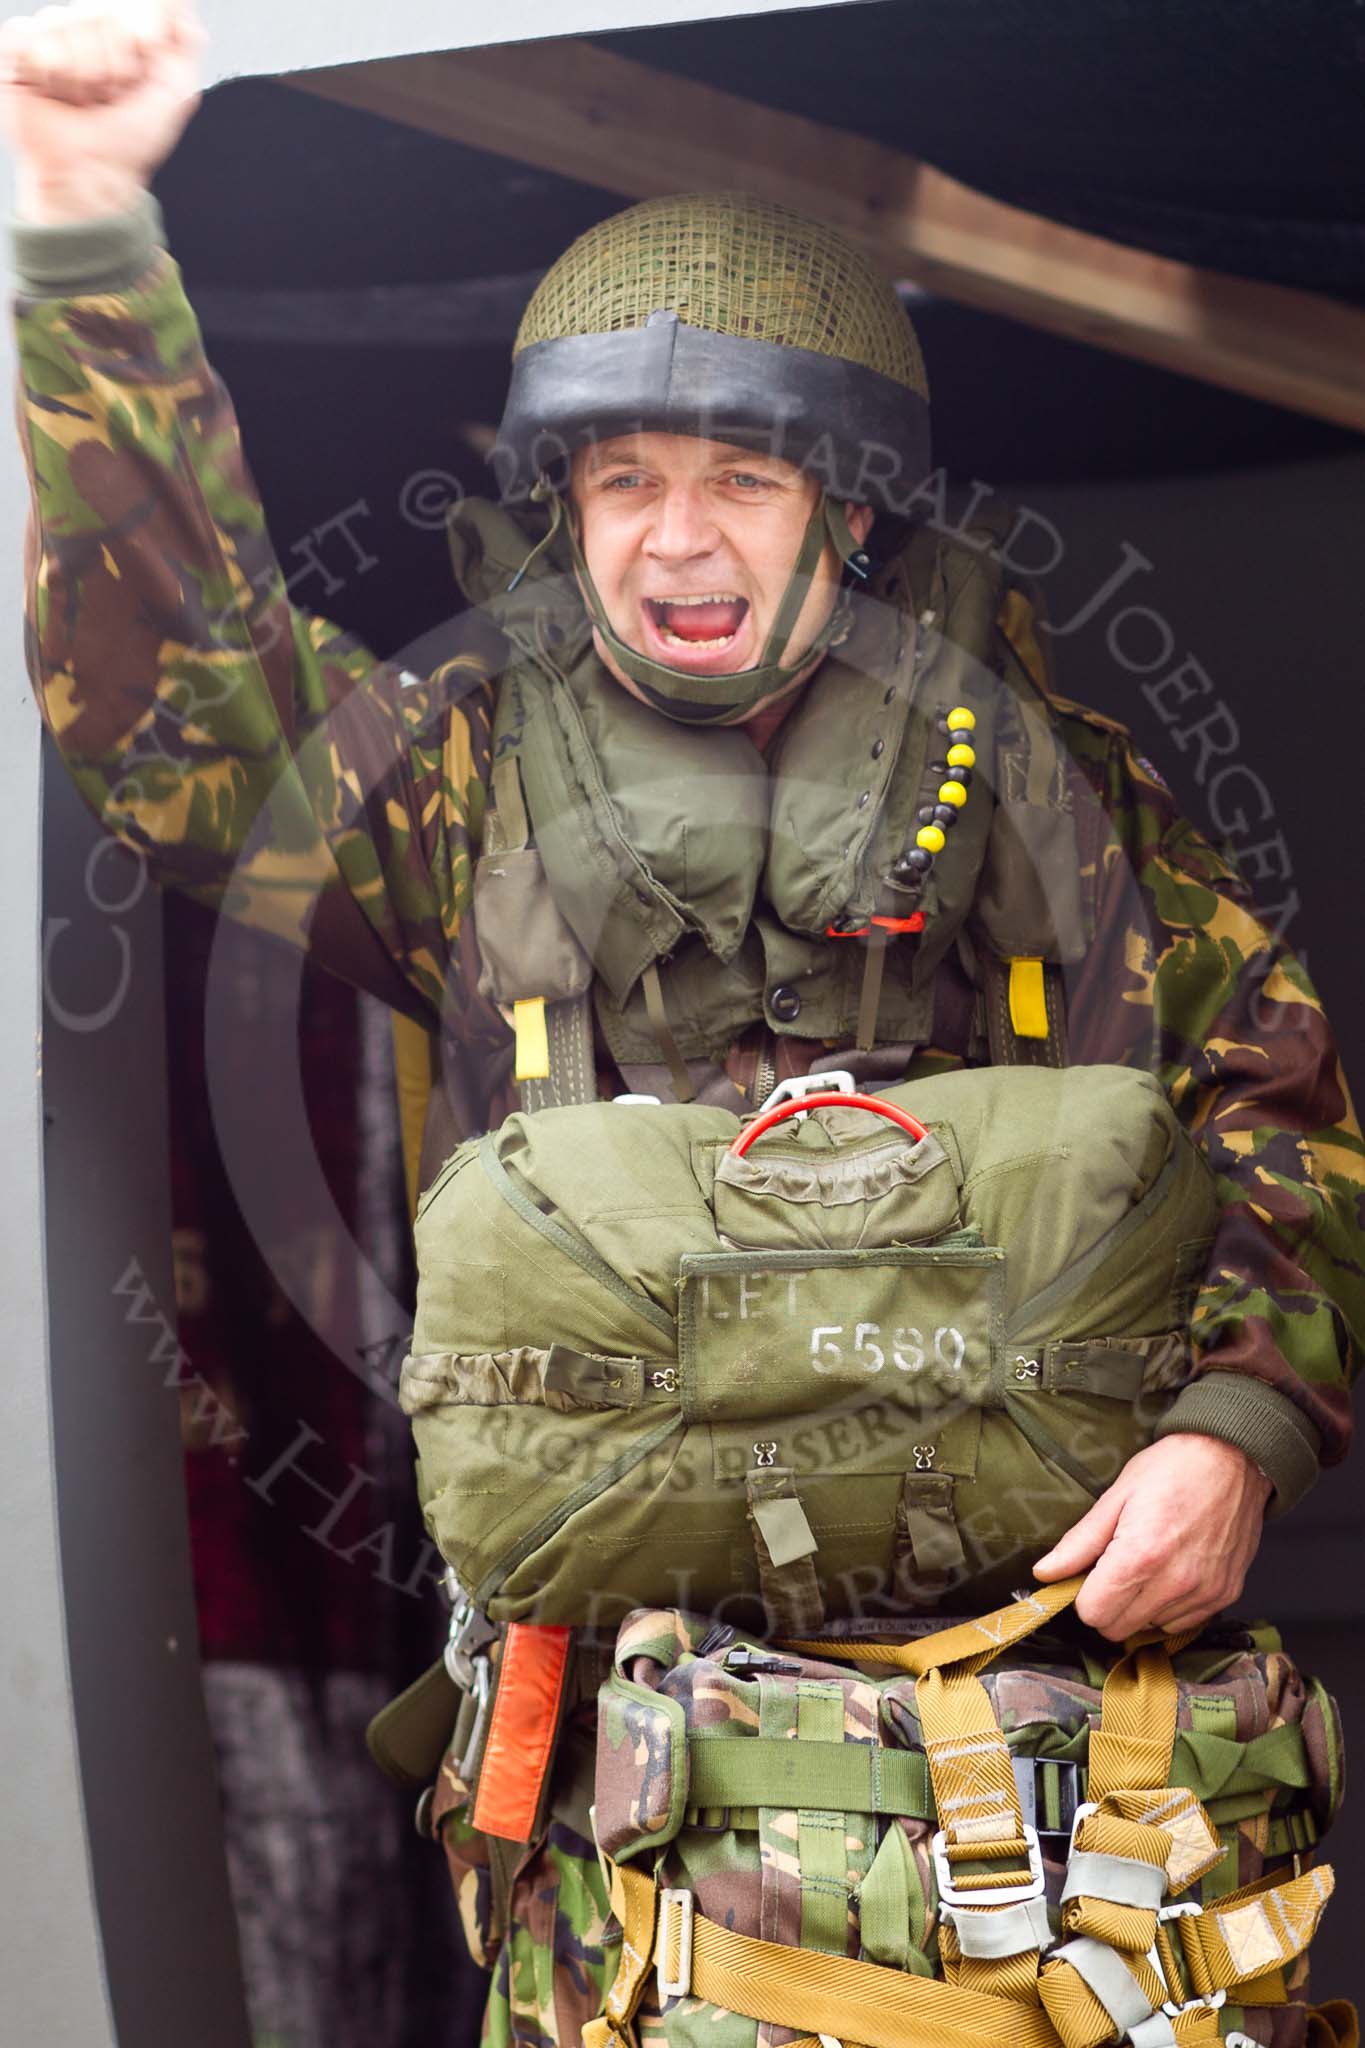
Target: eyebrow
597	459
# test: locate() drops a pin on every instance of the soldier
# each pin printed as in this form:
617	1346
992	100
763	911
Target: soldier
720	471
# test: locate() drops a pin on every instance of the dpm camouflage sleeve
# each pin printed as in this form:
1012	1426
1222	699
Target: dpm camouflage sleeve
258	758
1184	979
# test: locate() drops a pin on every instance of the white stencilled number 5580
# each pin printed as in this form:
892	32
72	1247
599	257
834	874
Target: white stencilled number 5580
827	1353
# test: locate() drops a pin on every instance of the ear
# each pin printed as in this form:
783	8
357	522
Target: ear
860	518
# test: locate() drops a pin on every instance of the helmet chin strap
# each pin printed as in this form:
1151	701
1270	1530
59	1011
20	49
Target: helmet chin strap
675	692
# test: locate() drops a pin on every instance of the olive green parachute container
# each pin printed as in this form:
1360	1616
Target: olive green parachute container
847	1374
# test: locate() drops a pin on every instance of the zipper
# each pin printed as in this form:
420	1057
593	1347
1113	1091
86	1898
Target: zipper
765	1072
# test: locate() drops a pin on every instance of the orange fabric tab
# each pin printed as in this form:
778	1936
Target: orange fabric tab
521	1734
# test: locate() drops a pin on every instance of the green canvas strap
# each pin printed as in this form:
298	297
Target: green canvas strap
509	805
657	1012
568	1023
929	1552
772	1771
784	1549
821	1826
736	1777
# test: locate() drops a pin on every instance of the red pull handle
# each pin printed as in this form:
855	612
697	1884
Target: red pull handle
830	1101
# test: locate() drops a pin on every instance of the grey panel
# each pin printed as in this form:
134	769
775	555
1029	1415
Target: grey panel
143	1753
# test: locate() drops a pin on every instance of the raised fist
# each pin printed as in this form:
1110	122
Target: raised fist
94	96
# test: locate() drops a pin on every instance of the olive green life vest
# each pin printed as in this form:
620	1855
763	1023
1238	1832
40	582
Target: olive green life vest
622	846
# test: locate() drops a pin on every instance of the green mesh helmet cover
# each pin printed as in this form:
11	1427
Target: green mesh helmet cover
724	317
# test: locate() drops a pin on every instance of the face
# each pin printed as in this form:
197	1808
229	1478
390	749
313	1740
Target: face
691	545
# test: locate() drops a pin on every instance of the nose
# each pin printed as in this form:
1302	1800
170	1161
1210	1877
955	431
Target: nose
682	527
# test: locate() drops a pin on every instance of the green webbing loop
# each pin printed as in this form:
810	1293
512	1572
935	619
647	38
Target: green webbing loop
891	1903
1215	1766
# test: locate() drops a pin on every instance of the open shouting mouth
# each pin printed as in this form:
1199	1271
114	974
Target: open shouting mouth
695	631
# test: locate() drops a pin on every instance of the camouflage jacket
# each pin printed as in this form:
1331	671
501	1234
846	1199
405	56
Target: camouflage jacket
263	762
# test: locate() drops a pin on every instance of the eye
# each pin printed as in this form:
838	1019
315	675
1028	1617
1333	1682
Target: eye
745	480
629	480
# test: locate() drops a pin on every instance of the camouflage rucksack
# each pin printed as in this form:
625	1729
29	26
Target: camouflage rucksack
796	1848
841	1374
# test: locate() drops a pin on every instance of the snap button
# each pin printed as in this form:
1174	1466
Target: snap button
785	1004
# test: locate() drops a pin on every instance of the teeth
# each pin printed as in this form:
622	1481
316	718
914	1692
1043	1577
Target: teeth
678	640
714	597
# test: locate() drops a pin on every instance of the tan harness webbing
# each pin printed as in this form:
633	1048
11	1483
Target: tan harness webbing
1125	1968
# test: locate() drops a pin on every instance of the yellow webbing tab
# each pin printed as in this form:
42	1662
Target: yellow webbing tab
635	1902
971	1644
1028	998
533	1039
1255	1930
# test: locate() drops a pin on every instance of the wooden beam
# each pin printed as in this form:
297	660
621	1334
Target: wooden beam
585	113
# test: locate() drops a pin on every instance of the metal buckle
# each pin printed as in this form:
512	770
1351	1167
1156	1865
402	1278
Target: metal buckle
684	1905
1174	2006
998	1895
1027	1771
470	1632
482	1689
708	1827
802	1085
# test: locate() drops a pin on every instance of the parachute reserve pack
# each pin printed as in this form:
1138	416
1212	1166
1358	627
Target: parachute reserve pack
810	1380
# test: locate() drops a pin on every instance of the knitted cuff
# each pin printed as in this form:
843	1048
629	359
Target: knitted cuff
1257	1419
87	257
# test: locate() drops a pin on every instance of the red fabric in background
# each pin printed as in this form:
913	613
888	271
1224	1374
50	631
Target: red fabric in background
266	1591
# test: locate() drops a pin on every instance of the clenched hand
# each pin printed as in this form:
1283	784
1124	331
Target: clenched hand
1170	1542
94	96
